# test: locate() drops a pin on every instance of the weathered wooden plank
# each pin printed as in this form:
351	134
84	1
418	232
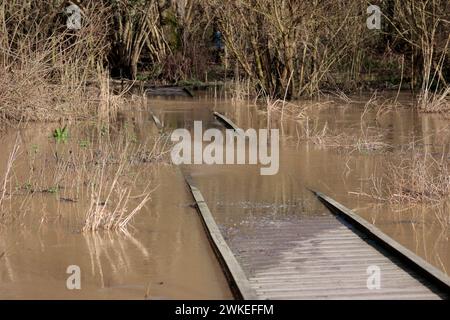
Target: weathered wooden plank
267	241
236	276
289	271
304	260
158	123
283	270
272	275
227	122
352	296
310	262
317	280
273	253
168	91
350	288
315	256
316	253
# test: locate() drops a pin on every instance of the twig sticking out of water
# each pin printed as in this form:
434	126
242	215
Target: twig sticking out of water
12	157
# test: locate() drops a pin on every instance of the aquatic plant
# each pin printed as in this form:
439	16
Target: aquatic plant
61	135
112	202
414	178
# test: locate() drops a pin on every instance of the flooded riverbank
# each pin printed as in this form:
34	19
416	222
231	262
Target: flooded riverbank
242	200
165	253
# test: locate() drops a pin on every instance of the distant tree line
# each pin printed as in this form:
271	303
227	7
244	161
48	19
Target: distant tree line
286	48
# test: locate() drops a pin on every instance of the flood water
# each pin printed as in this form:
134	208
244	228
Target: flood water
242	200
166	253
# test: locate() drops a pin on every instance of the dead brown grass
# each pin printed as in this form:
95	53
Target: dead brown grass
120	182
6	178
419	178
367	138
434	102
365	142
111	188
108	179
286	109
46	74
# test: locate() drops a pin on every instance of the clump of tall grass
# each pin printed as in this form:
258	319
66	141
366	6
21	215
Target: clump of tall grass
108	177
422	178
285	109
109	104
442	213
312	132
342	96
435	102
6	179
414	179
45	68
368	138
119	183
111	197
240	91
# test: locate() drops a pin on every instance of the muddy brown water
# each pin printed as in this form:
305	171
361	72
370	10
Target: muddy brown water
242	200
166	253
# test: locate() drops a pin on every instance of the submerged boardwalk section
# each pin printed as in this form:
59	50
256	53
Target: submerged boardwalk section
324	258
337	255
236	277
319	257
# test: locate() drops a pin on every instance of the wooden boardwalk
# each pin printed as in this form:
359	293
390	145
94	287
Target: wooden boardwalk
323	258
320	257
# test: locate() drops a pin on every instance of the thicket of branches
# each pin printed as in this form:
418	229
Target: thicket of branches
287	48
44	66
300	47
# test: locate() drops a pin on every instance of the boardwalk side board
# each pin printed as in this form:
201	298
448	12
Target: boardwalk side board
227	122
266	286
236	277
237	280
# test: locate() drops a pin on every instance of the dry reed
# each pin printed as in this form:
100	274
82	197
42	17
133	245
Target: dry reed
419	178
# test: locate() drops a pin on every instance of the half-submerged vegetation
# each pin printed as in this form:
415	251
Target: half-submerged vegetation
108	177
274	51
281	49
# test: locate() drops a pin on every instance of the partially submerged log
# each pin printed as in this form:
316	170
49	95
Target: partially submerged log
140	87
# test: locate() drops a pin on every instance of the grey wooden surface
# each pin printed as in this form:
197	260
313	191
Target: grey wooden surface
322	258
318	257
